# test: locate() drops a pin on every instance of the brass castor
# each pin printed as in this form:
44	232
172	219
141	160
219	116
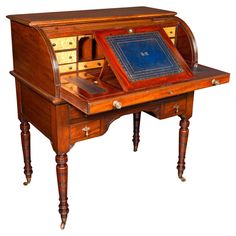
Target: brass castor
28	180
182	178
63	224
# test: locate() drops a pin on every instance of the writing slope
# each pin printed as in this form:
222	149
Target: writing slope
142	57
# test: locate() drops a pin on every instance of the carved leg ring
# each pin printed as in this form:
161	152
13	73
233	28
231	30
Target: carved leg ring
25	140
183	139
136	123
62	179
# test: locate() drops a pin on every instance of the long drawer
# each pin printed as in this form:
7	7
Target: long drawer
117	99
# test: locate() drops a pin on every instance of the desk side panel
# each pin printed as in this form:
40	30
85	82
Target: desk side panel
33	60
35	109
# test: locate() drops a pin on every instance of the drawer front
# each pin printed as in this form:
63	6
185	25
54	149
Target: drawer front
63	43
90	64
85	130
75	114
67	68
66	57
170	31
173	108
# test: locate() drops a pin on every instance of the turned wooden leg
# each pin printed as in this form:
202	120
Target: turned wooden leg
136	123
62	179
25	140
183	139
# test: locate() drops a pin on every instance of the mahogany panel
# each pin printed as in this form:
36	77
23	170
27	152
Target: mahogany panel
29	47
36	110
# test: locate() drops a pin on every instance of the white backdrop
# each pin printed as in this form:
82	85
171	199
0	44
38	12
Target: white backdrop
113	191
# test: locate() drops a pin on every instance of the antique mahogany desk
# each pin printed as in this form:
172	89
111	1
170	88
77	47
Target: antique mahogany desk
76	72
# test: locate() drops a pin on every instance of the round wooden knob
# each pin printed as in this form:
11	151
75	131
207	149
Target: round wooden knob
117	105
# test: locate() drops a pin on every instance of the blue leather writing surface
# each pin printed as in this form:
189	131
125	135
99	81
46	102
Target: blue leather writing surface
144	55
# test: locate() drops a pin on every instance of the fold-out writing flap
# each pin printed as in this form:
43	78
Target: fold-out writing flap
142	57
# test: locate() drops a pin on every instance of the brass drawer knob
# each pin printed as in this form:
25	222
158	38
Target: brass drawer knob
117	104
70	57
70	43
70	68
54	44
86	130
130	31
215	82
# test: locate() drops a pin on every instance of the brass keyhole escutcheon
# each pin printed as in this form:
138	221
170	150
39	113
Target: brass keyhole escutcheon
176	108
86	130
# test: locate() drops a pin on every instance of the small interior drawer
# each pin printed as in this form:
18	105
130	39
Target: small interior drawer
63	43
170	31
67	68
85	130
66	57
173	107
90	64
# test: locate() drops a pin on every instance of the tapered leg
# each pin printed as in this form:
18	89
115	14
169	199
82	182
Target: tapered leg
62	179
183	139
25	140
136	123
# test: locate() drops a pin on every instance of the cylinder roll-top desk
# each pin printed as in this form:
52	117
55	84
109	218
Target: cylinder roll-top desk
76	72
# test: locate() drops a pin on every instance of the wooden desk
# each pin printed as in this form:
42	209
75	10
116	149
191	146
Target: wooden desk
69	90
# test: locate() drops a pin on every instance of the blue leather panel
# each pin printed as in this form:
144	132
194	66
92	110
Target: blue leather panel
144	55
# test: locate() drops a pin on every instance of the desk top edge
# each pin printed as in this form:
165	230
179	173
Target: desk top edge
86	16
